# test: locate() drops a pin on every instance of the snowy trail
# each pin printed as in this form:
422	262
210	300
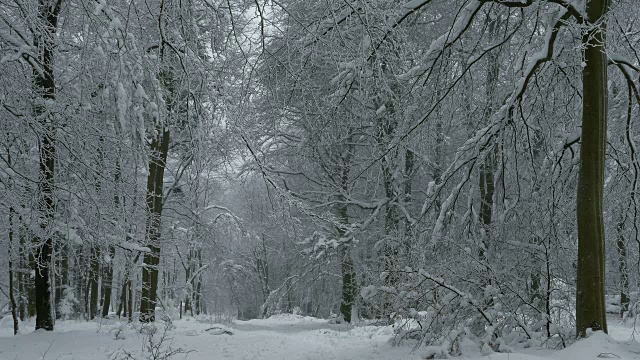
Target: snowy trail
277	338
313	339
294	338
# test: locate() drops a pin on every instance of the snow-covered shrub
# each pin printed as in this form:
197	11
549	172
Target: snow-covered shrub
68	307
433	312
156	345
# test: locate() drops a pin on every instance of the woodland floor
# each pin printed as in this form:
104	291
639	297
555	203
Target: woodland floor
281	338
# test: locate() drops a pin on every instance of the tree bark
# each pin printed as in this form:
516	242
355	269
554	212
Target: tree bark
129	301
386	130
187	274
62	264
31	286
535	276
621	247
487	169
44	86
262	265
93	281
107	282
590	304
347	271
12	298
122	307
155	183
23	266
198	279
344	253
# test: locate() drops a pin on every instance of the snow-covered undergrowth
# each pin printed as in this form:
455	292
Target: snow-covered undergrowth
278	337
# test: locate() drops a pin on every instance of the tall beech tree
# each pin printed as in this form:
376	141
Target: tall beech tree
590	304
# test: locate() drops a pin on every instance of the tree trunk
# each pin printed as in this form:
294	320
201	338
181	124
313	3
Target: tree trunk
344	252
590	304
535	293
487	188
409	168
386	129
31	286
94	276
23	266
12	298
262	267
487	169
347	271
155	183
438	151
122	308
22	308
198	298
129	301
621	247
44	86
63	269
107	281
187	274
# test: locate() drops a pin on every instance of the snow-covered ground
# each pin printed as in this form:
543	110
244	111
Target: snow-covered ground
280	337
277	338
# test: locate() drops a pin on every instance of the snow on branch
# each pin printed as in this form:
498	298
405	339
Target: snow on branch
326	26
541	57
626	68
321	243
447	39
442	283
197	272
472	149
615	59
406	9
570	7
134	247
24	48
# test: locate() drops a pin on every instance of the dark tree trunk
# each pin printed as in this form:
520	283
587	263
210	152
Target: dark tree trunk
122	307
536	282
487	169
590	304
621	248
348	283
155	183
129	300
62	265
347	270
409	168
386	129
44	86
262	266
199	284
94	276
23	264
31	286
107	282
12	298
187	274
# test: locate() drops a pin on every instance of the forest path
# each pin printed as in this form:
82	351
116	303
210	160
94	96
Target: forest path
278	338
285	337
296	338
